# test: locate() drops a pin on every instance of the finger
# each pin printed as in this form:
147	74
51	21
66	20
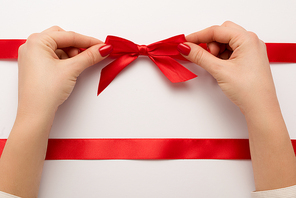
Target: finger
222	48
52	29
65	39
225	55
72	51
61	54
228	47
201	57
90	57
214	48
232	25
215	33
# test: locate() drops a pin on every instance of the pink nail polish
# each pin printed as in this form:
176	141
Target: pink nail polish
184	49
105	50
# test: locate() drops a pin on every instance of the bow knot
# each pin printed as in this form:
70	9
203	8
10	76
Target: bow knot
162	53
142	49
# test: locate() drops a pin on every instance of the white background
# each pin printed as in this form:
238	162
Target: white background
141	102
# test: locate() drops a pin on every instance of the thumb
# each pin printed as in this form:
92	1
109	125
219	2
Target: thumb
199	56
90	56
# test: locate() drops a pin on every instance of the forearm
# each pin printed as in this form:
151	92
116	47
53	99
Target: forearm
273	158
45	82
23	157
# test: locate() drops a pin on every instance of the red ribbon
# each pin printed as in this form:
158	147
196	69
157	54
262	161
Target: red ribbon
281	52
180	148
162	54
9	48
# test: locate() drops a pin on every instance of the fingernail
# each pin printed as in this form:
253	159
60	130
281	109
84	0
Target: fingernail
184	49
105	50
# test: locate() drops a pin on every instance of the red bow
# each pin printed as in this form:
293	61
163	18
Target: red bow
162	53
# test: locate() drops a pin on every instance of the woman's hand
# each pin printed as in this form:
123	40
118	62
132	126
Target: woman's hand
49	64
237	60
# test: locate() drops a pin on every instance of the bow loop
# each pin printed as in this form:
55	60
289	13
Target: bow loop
162	53
121	46
167	47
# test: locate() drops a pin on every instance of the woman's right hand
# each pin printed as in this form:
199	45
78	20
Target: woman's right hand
237	60
49	65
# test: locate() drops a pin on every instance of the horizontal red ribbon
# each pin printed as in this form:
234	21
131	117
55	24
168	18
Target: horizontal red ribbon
277	52
162	53
9	48
281	52
148	148
59	149
151	148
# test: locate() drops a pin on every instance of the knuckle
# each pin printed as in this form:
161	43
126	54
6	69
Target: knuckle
33	37
227	23
71	33
90	57
55	27
198	57
72	36
254	40
214	26
252	35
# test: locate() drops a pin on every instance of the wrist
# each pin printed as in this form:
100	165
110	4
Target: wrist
260	98
39	114
263	113
266	104
32	125
34	105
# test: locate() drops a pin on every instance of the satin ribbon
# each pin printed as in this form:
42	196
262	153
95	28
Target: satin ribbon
179	148
9	48
281	52
162	53
150	148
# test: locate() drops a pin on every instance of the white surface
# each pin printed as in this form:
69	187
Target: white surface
141	102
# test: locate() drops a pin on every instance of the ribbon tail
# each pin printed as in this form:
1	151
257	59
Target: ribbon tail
109	72
9	48
173	70
281	52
